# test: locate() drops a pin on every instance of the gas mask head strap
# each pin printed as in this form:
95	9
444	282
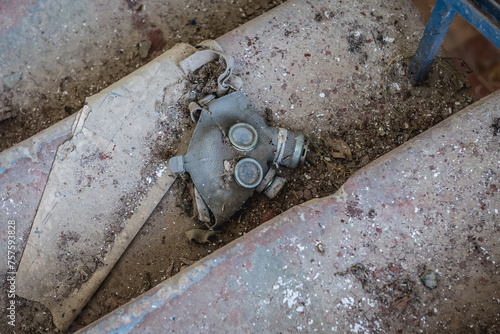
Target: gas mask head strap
208	51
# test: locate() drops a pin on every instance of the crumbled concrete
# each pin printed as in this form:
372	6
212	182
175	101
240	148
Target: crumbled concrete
429	279
144	47
12	80
431	203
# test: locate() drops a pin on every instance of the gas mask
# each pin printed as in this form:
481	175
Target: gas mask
233	152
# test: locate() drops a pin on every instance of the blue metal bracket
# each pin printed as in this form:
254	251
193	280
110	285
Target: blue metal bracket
440	21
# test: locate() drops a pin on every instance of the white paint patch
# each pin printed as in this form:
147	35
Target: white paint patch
290	297
348	301
357	328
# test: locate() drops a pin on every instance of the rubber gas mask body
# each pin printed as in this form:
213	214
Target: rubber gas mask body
232	153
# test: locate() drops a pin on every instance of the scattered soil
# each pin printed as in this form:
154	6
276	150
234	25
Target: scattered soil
204	81
390	285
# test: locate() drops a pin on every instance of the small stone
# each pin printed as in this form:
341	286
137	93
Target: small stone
144	47
40	318
186	261
11	80
111	303
6	113
268	214
307	194
429	279
364	161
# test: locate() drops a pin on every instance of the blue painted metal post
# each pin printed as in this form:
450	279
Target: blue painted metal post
492	8
429	45
483	23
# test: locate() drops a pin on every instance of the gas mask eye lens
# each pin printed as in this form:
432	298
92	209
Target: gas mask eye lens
248	173
243	136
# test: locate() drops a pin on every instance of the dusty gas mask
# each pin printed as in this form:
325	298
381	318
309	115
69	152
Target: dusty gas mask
232	153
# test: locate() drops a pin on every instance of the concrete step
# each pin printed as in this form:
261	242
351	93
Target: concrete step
318	67
409	244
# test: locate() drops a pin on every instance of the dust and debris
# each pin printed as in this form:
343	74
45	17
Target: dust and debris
340	149
12	80
429	279
355	41
6	109
186	261
203	81
377	133
81	266
411	100
228	175
389	285
47	89
324	14
144	47
496	127
200	236
173	121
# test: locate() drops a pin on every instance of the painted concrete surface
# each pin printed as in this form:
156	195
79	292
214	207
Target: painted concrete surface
56	53
319	65
24	170
106	176
282	56
352	262
299	38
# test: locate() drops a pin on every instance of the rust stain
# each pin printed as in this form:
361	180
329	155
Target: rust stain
157	40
